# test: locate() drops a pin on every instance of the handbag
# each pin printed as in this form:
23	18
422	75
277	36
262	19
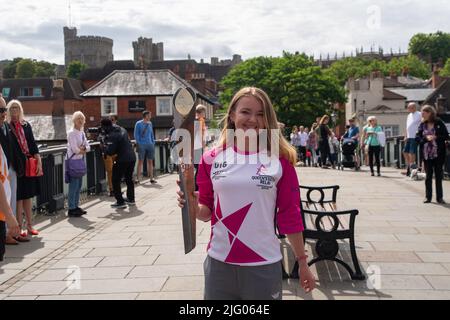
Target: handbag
31	165
381	138
76	168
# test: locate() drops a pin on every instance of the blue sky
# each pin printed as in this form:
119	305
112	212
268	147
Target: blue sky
219	28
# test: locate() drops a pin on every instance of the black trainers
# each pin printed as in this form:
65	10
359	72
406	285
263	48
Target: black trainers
130	203
153	181
118	205
74	213
83	212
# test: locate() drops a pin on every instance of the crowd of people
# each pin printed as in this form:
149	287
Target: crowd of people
320	146
21	167
317	146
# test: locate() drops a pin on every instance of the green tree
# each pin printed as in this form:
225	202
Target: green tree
75	68
415	66
431	47
25	69
44	69
9	72
445	72
347	68
299	90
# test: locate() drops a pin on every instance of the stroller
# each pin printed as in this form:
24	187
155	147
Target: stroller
348	154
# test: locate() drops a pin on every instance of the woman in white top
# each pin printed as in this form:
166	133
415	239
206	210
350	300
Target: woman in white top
77	147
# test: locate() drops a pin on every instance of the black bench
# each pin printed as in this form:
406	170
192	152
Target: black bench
325	224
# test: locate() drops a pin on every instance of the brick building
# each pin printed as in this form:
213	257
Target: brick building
44	96
48	104
128	93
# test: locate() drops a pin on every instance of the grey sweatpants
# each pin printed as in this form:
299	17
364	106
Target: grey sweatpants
225	281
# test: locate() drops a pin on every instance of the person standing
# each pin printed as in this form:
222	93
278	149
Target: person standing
295	139
109	162
312	144
27	187
334	149
303	135
353	134
16	165
244	257
432	135
77	147
324	146
117	142
373	143
145	143
199	137
412	125
6	215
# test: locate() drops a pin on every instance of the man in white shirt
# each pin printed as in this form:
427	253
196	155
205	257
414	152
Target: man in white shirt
303	136
412	125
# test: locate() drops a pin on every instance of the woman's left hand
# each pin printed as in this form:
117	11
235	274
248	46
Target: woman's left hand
307	280
39	171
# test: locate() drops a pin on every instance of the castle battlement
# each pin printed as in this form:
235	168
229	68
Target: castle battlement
94	51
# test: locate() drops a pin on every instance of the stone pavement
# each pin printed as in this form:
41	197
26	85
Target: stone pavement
137	253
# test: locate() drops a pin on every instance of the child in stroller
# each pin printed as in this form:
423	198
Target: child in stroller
348	154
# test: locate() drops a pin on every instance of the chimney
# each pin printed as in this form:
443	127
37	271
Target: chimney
405	72
436	80
441	105
376	74
393	76
58	98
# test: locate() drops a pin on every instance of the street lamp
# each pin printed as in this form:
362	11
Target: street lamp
334	118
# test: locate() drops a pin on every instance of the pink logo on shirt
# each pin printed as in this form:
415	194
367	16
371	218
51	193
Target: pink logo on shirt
261	170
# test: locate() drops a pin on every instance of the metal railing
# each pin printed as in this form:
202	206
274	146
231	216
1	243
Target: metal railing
392	154
53	189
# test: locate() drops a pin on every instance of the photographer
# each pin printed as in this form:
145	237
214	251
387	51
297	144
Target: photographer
116	141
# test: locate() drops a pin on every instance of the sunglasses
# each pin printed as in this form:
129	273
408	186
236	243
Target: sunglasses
3	110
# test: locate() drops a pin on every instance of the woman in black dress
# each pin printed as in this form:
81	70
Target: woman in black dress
27	187
324	134
431	136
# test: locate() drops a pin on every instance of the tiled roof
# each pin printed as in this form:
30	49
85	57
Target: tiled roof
414	94
72	88
139	83
389	95
443	90
100	73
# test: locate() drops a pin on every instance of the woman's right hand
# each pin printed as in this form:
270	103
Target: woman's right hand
181	200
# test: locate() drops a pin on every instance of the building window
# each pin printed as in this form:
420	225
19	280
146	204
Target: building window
37	92
109	107
391	130
6	92
163	106
26	92
31	92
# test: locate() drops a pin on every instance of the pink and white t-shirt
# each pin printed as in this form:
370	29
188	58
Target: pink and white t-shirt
243	191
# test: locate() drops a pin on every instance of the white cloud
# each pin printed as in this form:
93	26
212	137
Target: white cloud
207	28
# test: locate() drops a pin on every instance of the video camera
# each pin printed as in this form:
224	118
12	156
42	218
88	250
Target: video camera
100	134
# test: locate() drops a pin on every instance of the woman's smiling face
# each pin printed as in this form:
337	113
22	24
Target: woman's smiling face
248	114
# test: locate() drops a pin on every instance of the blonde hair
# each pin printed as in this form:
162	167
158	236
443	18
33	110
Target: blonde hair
11	104
322	120
372	118
76	115
200	108
270	122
